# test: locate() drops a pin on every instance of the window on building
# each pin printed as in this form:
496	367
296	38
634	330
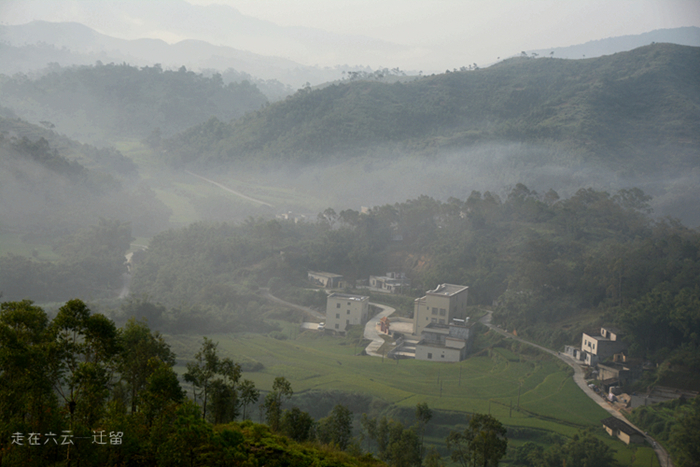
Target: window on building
347	321
337	315
430	356
443	312
435	312
442	321
442	356
348	303
348	312
337	305
337	326
434	320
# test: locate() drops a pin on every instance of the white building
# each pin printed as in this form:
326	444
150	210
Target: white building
343	310
440	306
444	342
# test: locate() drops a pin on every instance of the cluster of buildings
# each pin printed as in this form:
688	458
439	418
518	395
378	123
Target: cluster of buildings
441	331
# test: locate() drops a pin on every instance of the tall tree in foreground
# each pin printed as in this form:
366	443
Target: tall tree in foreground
482	444
281	389
202	371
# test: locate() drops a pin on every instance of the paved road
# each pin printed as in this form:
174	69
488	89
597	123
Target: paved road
223	187
372	333
664	459
314	313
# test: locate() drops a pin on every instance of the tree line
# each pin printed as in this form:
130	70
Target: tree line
110	396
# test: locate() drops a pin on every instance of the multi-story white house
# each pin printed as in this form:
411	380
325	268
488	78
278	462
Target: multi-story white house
440	306
595	348
343	310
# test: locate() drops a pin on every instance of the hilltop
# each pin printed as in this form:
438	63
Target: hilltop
625	110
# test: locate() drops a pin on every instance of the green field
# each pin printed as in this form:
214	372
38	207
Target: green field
488	382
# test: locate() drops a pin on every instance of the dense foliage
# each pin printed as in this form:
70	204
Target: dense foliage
77	390
541	259
101	101
676	425
631	105
91	263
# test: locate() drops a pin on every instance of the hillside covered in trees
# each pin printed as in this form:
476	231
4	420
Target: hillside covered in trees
637	106
592	258
107	102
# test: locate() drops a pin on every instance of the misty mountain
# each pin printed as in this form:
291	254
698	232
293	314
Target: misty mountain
613	109
47	193
681	36
625	120
93	103
33	46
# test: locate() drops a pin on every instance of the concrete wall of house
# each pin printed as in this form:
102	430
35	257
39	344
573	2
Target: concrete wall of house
437	354
343	311
437	308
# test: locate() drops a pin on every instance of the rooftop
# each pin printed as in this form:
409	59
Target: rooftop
617	424
447	289
345	296
324	274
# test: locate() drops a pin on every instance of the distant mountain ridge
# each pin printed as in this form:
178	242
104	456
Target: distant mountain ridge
41	43
608	108
682	36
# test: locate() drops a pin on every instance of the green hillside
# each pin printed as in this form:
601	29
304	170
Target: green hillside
637	105
108	102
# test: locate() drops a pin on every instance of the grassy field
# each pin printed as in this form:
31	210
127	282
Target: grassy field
183	192
492	381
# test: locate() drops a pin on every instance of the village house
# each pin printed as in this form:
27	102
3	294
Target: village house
326	280
444	342
343	310
595	348
392	282
439	306
622	371
619	429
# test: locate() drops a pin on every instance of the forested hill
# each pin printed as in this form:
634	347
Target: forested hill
642	105
103	102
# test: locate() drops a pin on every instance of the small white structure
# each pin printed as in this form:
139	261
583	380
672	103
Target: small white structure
392	282
327	280
444	342
343	310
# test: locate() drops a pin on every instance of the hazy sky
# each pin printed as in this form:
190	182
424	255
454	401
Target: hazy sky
431	32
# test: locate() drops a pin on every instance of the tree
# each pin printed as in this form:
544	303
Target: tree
249	394
336	428
136	364
281	389
297	424
225	402
423	416
685	437
369	425
84	357
26	396
399	446
202	372
482	443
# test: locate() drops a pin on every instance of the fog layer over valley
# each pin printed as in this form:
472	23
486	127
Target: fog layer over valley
546	199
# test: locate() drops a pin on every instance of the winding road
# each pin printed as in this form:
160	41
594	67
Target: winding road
664	458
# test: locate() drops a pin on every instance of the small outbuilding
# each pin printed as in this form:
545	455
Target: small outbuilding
621	430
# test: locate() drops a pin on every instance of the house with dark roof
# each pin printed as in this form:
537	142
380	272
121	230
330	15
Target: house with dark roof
621	430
